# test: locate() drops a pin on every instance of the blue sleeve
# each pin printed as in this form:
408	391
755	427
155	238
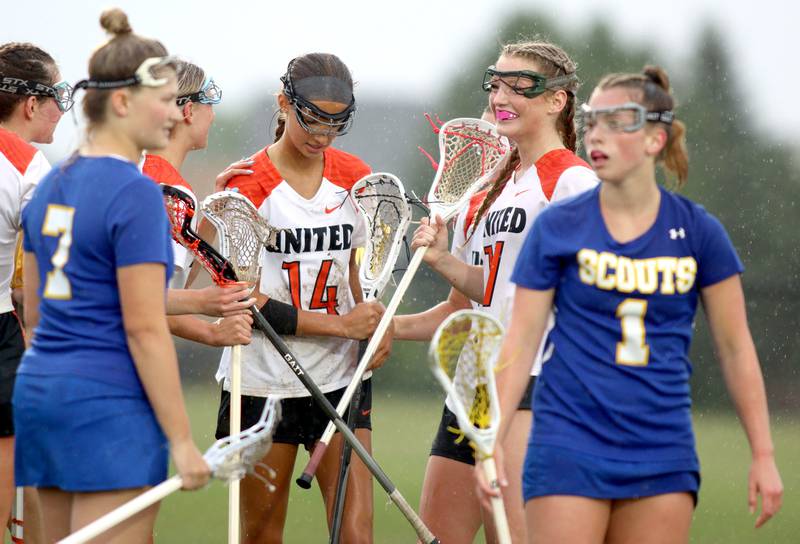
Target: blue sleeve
716	257
538	265
138	226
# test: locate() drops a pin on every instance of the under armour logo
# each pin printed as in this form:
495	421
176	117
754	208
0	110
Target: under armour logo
674	234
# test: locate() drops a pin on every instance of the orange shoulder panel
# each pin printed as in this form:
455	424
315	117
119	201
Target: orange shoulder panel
160	170
18	152
344	169
474	203
551	165
258	185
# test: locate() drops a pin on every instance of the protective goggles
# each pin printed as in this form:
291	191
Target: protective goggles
524	82
209	93
61	92
313	119
628	117
148	74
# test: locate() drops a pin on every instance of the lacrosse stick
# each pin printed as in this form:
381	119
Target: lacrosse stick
17	517
470	151
229	459
229	217
180	210
382	200
462	356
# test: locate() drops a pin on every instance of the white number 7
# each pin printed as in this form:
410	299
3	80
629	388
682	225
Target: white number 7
632	351
58	222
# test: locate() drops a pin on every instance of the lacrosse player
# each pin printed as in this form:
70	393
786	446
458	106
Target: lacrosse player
309	292
624	266
532	95
32	101
97	403
197	94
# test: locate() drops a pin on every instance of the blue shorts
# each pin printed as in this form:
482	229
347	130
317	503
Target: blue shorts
552	470
79	435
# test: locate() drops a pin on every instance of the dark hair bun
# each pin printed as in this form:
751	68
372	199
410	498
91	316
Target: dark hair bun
657	75
115	22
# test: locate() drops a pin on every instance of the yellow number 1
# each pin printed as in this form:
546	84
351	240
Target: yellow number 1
58	222
632	351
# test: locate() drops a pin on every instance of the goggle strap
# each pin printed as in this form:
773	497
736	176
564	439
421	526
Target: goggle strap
665	117
561	80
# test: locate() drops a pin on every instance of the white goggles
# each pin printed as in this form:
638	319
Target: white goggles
628	117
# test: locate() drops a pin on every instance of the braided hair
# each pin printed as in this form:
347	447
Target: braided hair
23	61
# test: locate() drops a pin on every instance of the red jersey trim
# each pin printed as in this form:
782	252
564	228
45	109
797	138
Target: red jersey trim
18	152
160	170
341	168
551	165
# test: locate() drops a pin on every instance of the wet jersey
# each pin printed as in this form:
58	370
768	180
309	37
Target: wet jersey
469	250
310	269
617	383
162	172
556	175
21	168
89	217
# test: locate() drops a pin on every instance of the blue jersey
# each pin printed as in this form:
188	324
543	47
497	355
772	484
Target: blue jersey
89	217
617	384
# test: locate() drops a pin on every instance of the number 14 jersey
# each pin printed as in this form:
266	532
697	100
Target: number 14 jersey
309	269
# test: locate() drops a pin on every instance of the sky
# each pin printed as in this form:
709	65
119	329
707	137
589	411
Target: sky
405	50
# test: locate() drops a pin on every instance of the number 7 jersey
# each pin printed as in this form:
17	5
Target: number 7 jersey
309	269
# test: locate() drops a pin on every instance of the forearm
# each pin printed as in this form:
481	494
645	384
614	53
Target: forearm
745	384
156	364
421	326
191	328
183	301
466	278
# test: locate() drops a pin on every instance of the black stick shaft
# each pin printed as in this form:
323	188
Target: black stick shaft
344	463
397	498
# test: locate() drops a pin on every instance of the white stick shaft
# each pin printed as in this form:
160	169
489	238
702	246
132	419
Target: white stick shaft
498	510
375	341
18	515
127	510
235	428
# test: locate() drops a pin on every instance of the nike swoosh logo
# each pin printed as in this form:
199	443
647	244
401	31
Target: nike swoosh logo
519	193
331	210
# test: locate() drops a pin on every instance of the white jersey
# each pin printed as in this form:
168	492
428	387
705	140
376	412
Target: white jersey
469	250
162	172
310	269
556	175
21	168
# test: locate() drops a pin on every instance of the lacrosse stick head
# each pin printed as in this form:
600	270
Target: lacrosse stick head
232	457
462	354
470	150
242	232
387	214
180	211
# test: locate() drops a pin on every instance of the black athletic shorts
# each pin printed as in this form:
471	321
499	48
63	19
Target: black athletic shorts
447	443
302	421
12	346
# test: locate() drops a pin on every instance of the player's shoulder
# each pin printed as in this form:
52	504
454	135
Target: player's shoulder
573	210
260	184
344	169
161	171
552	165
685	212
19	153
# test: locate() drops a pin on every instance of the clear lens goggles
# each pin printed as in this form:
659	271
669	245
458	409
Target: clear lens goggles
148	74
523	82
61	92
209	93
318	122
628	117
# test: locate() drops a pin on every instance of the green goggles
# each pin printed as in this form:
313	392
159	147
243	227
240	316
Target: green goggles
628	117
524	82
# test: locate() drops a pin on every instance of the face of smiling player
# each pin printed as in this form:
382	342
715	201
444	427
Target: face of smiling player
519	117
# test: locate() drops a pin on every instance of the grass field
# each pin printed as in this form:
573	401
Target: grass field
404	427
403	430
